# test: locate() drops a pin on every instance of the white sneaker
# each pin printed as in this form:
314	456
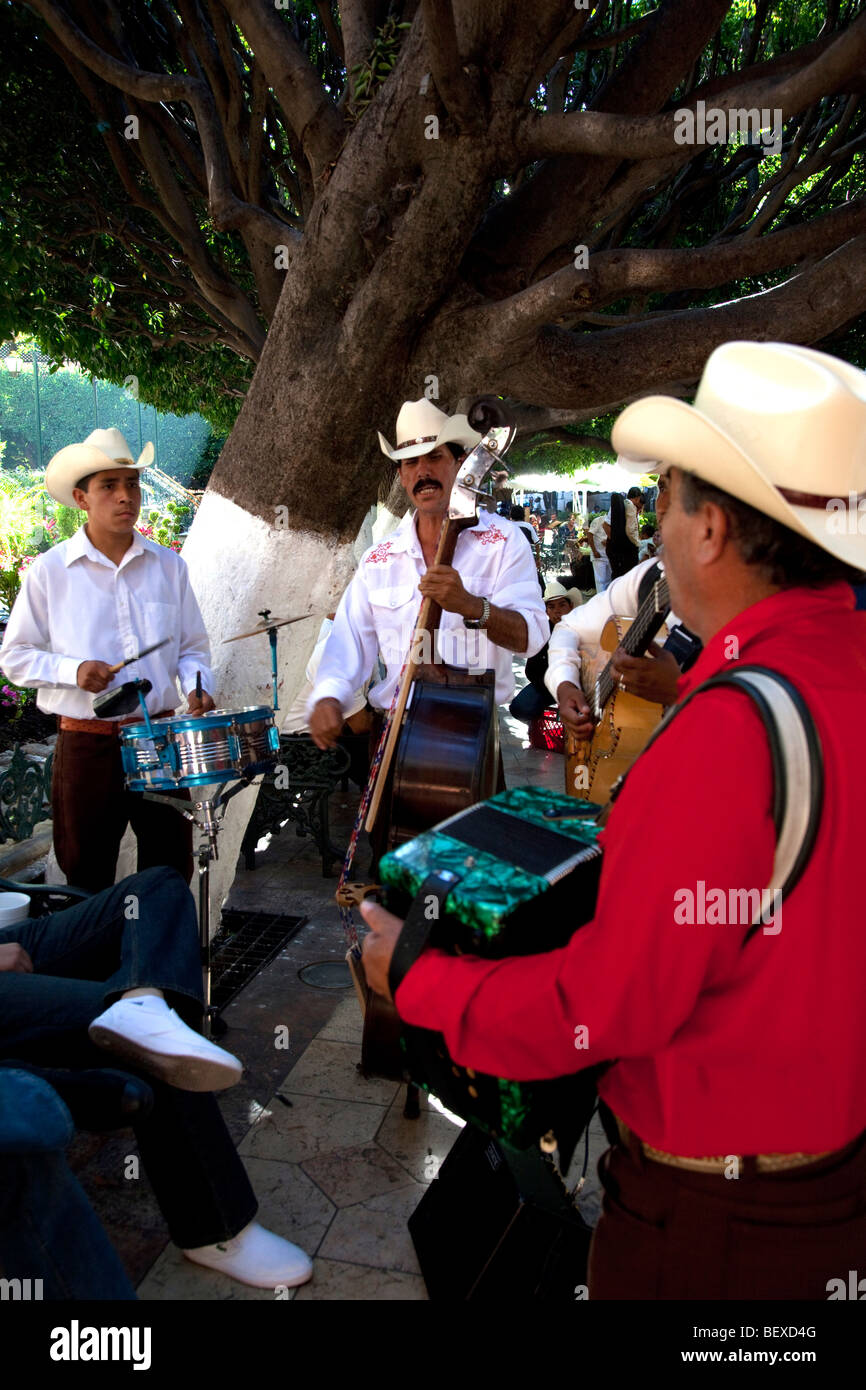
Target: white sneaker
256	1257
146	1032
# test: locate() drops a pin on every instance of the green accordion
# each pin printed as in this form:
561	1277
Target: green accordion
527	865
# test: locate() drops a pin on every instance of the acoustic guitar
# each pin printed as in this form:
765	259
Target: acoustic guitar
624	721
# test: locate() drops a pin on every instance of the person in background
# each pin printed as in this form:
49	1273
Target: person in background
531	702
622	551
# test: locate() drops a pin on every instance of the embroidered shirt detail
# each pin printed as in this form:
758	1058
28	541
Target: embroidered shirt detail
380	554
490	535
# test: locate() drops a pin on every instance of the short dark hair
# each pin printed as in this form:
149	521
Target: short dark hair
85	482
786	558
457	449
635	492
517	513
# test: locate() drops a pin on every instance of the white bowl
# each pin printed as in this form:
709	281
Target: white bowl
14	907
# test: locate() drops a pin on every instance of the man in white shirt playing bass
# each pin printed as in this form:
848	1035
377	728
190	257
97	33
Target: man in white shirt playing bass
94	600
490	598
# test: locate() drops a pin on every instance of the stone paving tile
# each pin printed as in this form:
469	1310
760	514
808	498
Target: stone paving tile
334	1279
419	1145
345	1024
329	1069
175	1279
375	1233
347	1176
310	1126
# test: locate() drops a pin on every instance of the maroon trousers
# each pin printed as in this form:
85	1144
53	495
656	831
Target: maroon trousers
91	809
666	1233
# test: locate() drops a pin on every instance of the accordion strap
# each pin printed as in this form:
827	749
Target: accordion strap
424	912
797	761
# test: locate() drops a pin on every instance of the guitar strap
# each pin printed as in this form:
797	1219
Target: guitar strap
685	646
797	761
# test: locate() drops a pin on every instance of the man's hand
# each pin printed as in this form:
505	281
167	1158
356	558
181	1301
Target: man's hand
94	676
379	945
652	678
197	706
326	723
443	584
574	711
13	957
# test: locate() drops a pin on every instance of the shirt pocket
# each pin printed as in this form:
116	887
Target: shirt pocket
394	612
158	621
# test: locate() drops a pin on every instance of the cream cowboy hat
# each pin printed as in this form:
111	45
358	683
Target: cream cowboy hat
101	450
557	590
782	428
421	426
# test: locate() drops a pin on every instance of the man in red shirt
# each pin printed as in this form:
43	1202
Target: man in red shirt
739	1085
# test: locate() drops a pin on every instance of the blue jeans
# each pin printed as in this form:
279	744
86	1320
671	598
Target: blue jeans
48	1229
142	931
530	704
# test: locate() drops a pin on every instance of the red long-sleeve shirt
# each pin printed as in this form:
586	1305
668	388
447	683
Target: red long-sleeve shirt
722	1049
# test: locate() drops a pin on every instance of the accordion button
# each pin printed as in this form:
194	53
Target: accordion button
456	1071
470	1073
473	1093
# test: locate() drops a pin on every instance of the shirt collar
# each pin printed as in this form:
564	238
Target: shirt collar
405	537
769	616
80	546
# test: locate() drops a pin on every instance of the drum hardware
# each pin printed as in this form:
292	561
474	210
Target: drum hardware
206	814
269	625
198	752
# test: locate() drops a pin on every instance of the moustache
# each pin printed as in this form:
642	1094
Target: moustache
426	482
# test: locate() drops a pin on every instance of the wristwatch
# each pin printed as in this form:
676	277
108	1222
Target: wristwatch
485	616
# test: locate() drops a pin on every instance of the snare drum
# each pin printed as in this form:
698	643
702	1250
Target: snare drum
197	750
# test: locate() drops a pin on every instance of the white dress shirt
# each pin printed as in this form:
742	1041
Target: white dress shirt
378	611
583	626
295	721
76	605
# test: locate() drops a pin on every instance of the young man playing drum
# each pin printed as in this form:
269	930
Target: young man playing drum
85	605
738	1076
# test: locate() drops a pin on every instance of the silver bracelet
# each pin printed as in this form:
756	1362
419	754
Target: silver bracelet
483	620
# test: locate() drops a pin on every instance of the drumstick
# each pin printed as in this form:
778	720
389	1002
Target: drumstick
144	652
198	686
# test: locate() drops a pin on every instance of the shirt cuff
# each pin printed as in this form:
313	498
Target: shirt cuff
187	675
563	671
67	670
330	689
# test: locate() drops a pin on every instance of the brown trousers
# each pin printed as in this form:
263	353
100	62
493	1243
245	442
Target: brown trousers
91	809
666	1233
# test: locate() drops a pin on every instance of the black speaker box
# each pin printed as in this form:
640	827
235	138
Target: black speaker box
498	1223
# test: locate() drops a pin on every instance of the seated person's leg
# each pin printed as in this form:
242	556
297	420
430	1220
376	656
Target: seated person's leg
48	1230
530	704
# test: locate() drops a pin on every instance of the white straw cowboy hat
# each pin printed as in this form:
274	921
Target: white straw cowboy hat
421	426
101	450
557	590
782	428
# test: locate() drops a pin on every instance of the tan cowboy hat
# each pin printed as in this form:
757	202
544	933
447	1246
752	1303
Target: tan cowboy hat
782	428
101	450
557	590
421	426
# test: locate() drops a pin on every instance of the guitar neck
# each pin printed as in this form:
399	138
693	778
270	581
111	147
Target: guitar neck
649	618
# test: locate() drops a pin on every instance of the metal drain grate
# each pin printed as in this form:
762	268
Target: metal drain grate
245	943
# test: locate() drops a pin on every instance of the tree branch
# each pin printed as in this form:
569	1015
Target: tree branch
315	121
452	83
565	369
600	133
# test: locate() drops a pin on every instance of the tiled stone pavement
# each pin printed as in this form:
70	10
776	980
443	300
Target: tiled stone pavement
335	1166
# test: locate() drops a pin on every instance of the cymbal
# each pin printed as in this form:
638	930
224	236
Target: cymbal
263	627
